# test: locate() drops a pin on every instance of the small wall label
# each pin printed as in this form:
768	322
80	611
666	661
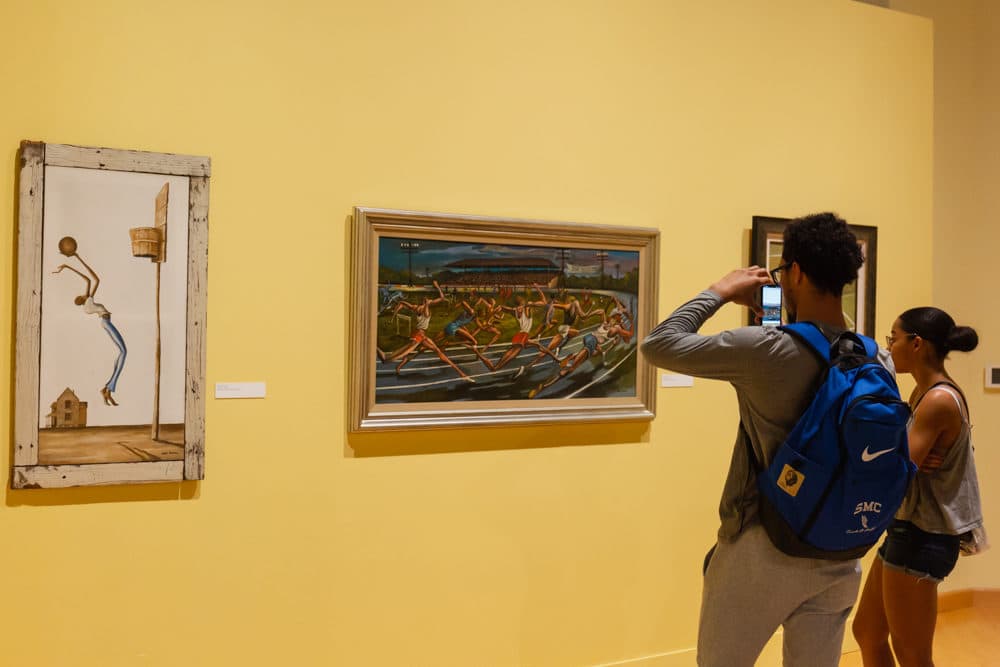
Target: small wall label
240	389
669	380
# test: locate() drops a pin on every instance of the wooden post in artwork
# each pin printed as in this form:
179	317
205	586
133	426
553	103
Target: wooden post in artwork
151	242
161	225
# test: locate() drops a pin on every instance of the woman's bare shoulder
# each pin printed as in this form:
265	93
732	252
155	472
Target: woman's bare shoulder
939	404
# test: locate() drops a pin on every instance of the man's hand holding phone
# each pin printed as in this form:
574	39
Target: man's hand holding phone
742	287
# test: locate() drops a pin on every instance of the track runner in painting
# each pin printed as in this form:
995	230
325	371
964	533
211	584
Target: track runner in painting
419	339
426	379
522	313
492	315
457	328
603	339
573	316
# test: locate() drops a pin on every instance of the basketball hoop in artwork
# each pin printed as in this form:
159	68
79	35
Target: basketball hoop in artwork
151	242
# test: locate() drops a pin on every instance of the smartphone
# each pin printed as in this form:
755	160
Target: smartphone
770	300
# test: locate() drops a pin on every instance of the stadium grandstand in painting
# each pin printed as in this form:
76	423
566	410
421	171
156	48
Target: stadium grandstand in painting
478	320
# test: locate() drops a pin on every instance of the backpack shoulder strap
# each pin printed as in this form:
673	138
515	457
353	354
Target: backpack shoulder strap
871	347
810	334
954	391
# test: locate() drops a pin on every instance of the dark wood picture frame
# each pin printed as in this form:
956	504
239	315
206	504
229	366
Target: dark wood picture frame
766	229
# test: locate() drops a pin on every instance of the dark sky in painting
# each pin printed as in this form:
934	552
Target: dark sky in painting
435	255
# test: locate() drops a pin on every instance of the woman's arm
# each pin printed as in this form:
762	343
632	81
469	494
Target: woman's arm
937	416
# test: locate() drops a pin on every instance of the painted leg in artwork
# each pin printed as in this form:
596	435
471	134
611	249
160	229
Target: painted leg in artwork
511	353
402	354
119	342
573	362
429	345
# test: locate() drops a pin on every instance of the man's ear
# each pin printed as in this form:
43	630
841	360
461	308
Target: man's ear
796	274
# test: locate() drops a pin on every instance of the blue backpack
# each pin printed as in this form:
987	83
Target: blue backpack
838	479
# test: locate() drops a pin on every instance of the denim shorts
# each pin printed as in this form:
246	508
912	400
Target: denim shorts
918	553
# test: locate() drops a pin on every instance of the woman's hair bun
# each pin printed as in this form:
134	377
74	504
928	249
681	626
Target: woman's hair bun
962	339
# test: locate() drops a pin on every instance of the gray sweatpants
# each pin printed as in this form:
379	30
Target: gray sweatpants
751	588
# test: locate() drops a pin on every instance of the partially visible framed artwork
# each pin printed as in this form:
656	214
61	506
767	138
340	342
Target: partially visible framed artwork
859	296
110	332
476	321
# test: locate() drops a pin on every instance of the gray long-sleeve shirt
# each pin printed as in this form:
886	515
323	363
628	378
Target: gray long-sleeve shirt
775	376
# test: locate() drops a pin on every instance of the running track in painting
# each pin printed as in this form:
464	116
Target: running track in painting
427	378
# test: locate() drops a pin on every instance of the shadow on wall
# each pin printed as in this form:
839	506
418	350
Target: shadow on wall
446	441
12	351
88	495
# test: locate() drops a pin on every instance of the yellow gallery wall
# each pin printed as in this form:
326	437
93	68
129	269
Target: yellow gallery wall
533	546
966	235
966	238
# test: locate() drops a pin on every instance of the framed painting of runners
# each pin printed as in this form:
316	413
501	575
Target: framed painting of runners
464	320
110	353
766	237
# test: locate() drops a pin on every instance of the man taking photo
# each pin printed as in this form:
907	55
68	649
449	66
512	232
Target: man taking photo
750	587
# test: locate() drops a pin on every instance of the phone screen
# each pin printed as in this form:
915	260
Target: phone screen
770	299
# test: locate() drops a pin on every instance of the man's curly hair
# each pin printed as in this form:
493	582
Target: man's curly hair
825	249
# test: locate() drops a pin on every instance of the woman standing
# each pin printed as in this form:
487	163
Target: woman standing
941	514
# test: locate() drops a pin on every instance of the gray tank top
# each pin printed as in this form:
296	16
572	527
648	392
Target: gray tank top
946	500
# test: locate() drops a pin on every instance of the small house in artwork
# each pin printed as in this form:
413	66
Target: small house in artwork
68	411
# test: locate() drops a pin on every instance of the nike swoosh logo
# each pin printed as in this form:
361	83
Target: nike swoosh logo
867	456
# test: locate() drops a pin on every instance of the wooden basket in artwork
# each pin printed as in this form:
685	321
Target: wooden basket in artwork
145	241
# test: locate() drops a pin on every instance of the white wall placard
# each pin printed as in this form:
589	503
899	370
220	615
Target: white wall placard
240	389
676	380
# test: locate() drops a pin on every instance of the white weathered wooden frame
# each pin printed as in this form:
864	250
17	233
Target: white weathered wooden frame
34	157
371	223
